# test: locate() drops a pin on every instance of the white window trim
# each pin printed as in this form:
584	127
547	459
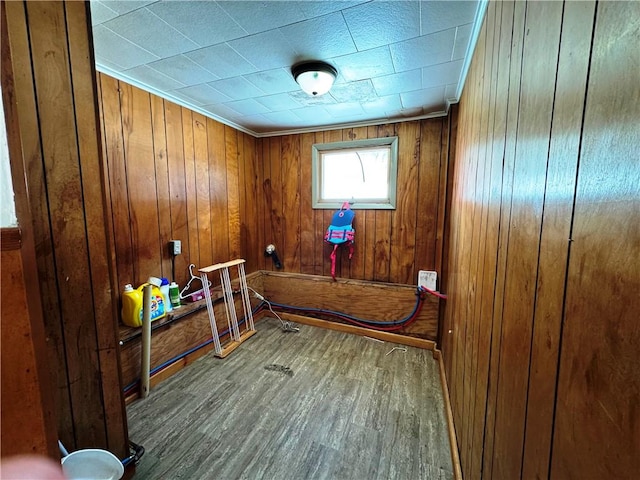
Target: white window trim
318	148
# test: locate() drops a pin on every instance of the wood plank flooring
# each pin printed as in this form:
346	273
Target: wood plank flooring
317	404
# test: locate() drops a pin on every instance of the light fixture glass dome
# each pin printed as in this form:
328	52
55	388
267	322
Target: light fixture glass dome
315	78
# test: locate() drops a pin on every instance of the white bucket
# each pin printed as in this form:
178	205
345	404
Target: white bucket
92	464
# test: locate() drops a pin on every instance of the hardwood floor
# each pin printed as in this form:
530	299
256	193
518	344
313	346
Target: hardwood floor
317	404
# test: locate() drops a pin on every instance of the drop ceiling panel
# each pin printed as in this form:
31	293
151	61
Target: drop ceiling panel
231	59
266	50
320	38
183	70
205	23
141	27
382	23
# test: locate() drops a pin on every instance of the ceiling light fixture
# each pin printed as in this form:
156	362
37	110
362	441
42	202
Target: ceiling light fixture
315	78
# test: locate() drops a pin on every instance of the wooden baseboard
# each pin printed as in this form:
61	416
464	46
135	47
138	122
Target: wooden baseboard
453	440
341	327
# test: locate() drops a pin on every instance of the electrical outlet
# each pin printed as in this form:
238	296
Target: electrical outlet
175	247
427	279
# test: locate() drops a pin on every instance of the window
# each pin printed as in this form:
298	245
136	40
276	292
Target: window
362	172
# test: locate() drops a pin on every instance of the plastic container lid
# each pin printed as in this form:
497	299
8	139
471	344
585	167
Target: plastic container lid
165	281
173	285
128	288
92	464
155	281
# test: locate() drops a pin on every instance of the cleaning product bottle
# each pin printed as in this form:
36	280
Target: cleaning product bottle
174	295
131	306
132	303
164	288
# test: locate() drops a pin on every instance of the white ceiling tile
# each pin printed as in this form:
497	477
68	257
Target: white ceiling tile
383	104
247	107
315	115
259	16
462	41
183	70
320	38
222	111
351	110
286	117
440	15
361	92
409	112
398	82
200	94
237	88
318	8
206	23
424	97
124	6
274	81
148	76
441	74
423	51
222	60
278	102
141	27
266	50
380	23
364	65
101	13
118	50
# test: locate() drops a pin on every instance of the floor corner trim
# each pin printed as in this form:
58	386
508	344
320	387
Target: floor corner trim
453	440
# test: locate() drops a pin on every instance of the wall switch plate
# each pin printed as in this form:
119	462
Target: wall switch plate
175	247
428	279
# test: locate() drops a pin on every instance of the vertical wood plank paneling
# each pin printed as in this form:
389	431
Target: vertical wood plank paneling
64	190
233	194
597	425
573	62
203	201
290	176
98	227
512	35
216	133
191	191
536	106
177	190
403	218
118	186
138	141
275	157
268	198
309	238
251	229
17	26
261	202
158	125
428	194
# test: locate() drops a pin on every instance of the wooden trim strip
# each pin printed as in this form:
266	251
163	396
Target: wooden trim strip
453	440
218	266
10	239
341	327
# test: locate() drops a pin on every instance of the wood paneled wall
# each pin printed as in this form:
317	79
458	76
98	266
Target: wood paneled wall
52	65
391	245
541	333
175	174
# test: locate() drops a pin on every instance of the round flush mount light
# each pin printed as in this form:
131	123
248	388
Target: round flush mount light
315	78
